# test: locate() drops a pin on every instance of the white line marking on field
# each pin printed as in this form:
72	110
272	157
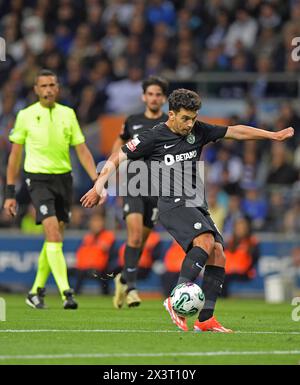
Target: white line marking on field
130	331
244	332
86	331
164	354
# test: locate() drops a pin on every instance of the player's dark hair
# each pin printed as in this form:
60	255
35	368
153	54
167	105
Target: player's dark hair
155	81
45	72
182	98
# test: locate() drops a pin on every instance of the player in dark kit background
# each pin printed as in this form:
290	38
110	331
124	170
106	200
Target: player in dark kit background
140	212
179	141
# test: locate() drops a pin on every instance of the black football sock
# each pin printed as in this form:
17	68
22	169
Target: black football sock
193	263
129	274
212	287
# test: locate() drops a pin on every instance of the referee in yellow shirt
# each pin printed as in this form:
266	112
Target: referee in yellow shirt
47	129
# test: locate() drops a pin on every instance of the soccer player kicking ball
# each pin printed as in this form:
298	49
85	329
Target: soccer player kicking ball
47	130
140	212
179	142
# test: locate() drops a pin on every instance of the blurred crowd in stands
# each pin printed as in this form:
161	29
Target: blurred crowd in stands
101	50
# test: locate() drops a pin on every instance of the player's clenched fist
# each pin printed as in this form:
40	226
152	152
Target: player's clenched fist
284	134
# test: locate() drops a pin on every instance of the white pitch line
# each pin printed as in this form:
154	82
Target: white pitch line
253	332
164	354
86	331
129	331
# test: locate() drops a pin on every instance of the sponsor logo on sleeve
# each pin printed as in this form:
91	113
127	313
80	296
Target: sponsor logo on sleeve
132	144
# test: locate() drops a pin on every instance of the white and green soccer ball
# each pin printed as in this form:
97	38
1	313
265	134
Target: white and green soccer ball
187	299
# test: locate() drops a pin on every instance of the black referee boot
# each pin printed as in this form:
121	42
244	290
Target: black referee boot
36	300
70	303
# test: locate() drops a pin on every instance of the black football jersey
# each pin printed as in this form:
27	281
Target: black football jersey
136	124
173	161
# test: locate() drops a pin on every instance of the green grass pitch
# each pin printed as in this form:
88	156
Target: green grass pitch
98	334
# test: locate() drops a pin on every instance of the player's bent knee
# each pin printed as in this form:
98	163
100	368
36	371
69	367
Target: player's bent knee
206	241
52	232
134	231
135	240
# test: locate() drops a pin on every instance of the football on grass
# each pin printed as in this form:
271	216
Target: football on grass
187	299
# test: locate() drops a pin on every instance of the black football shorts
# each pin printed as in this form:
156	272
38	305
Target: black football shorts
51	195
186	223
147	206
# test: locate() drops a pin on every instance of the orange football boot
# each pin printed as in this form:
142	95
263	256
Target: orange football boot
180	322
210	325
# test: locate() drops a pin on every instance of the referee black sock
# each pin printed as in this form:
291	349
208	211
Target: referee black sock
129	274
193	263
212	287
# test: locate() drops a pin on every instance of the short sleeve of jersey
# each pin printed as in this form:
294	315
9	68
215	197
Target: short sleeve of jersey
125	135
19	132
77	135
212	132
140	147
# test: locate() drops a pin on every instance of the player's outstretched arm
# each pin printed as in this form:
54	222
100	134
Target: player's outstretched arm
97	194
241	132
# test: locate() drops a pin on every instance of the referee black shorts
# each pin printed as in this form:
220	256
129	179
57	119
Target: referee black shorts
51	195
186	223
147	206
